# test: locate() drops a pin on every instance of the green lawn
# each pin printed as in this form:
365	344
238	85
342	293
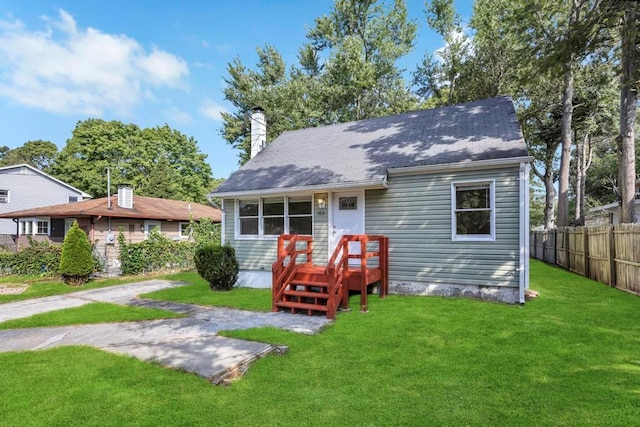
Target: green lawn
39	287
198	292
97	312
570	357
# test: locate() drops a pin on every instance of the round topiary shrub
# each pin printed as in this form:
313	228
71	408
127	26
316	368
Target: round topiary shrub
76	262
218	266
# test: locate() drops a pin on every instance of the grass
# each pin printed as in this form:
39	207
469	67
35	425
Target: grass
570	357
199	293
45	287
96	312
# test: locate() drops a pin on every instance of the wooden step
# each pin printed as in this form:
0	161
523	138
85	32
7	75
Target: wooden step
302	306
305	294
313	283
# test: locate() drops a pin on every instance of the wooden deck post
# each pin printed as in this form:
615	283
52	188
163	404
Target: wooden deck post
363	274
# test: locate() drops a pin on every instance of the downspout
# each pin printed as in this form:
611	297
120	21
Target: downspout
223	237
17	221
523	267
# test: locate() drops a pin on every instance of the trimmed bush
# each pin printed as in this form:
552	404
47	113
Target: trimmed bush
76	262
218	266
37	259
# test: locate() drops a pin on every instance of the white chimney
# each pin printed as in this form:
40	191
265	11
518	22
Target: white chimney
125	196
258	131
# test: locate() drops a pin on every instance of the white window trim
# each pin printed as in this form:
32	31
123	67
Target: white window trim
34	226
149	223
261	235
474	237
182	236
8	196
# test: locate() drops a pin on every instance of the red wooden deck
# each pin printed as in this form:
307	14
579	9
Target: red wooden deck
299	286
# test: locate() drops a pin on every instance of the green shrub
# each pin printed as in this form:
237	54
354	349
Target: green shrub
156	253
37	259
218	266
76	262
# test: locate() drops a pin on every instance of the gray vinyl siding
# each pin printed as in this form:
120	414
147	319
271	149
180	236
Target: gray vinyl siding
260	254
320	230
415	213
27	190
252	254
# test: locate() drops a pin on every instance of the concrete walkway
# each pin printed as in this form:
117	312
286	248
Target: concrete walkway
190	343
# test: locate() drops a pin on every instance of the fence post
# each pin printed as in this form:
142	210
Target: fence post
567	255
535	245
585	250
612	257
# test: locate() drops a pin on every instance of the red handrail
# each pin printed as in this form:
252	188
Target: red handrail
282	273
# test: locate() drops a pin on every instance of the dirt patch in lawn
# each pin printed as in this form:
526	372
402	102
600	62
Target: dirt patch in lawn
12	288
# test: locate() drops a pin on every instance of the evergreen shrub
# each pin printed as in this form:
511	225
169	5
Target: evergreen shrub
217	265
76	261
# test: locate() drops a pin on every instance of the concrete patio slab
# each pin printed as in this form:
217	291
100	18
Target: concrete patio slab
189	343
114	294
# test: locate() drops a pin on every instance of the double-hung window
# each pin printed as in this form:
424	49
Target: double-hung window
273	216
473	211
42	226
4	196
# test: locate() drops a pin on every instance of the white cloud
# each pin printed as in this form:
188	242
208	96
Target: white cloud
212	110
70	70
175	115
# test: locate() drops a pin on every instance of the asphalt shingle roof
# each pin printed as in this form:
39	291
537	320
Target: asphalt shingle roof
360	153
143	208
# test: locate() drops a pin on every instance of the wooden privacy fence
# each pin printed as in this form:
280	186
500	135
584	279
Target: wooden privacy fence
609	254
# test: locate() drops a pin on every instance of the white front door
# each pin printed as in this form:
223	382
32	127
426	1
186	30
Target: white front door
347	211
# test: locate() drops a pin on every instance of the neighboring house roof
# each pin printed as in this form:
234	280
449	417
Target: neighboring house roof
359	154
46	175
611	207
143	208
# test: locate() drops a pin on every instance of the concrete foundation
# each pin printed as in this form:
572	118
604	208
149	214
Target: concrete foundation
254	279
490	293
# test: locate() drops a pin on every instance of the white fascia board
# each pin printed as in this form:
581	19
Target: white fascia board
307	189
467	165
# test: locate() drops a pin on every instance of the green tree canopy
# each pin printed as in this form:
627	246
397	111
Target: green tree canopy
39	154
347	71
158	162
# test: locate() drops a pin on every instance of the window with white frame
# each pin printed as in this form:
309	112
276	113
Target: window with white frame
185	230
25	227
300	217
473	211
274	216
150	225
42	226
32	226
4	196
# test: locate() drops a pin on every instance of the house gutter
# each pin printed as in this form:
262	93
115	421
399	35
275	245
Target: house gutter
466	165
368	185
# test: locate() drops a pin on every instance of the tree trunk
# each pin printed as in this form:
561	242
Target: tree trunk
565	156
549	198
628	100
585	155
549	193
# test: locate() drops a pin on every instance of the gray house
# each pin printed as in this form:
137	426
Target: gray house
25	187
448	187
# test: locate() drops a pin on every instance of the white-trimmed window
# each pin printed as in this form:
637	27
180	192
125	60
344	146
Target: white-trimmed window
33	226
4	196
184	230
270	217
473	210
42	226
150	225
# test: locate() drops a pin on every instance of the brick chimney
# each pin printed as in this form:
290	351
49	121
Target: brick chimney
258	131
